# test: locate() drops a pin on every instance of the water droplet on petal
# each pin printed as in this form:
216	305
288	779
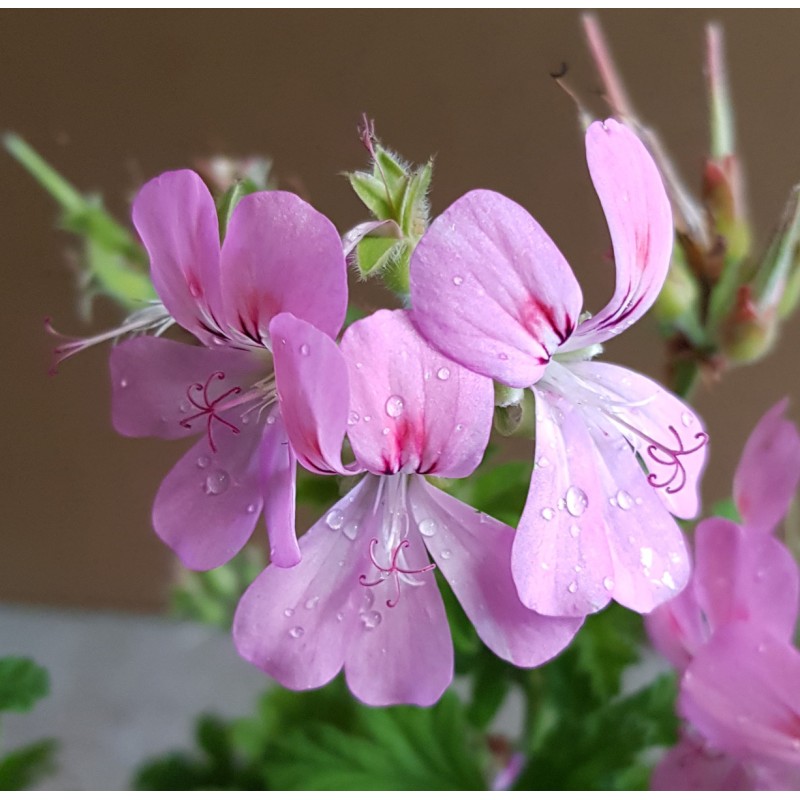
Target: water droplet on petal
311	603
395	406
270	420
458	280
427	527
304	350
543	462
123	384
287	612
443	373
369	599
217	482
385	431
371	619
296	632
185	406
577	501
251	509
646	554
613	501
203	462
548	513
572	588
367	417
608	584
352	418
666	579
624	500
503	356
335	519
445	554
459	427
574	530
687	419
350	530
340	616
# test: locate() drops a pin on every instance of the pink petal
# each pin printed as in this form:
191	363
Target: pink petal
313	391
280	254
769	470
402	653
560	559
208	505
639	220
491	290
677	628
297	624
278	479
742	576
742	692
473	552
154	385
411	408
667	434
690	766
175	217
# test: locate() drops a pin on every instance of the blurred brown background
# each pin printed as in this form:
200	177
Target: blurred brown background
114	98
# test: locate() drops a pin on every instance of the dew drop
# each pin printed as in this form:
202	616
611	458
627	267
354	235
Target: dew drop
574	531
311	603
385	431
577	501
544	565
371	619
666	579
251	509
686	418
217	482
350	530
608	584
359	365
185	406
369	599
270	420
543	462
123	383
578	568
352	418
503	356
367	417
445	554
548	513
427	527
395	406
458	280
646	557
572	588
335	519
459	427
624	500
340	616
203	462
287	612
296	632
304	350
638	501
443	373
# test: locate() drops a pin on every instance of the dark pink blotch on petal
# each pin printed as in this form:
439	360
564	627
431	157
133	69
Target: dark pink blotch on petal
278	480
313	392
155	384
280	254
491	290
208	505
176	219
473	552
560	558
769	470
411	408
639	219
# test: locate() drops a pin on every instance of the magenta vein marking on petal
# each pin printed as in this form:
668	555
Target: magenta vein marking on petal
207	408
392	570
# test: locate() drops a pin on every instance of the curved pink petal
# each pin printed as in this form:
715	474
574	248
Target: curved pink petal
412	409
491	290
769	470
741	576
280	254
742	692
639	219
667	433
278	479
176	219
560	559
208	505
402	651
691	766
677	628
297	624
473	552
313	391
157	384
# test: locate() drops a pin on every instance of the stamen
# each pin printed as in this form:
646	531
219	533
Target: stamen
393	570
673	460
208	408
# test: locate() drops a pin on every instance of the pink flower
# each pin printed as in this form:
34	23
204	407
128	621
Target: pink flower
491	290
279	255
731	632
364	596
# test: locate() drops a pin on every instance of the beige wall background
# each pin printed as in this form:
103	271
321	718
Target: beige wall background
114	98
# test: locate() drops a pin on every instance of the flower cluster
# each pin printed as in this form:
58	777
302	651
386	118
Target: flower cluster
730	633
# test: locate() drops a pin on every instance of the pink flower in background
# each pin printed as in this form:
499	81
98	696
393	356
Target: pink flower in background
364	596
491	290
731	632
279	255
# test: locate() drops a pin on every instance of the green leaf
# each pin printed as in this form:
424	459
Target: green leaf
399	748
22	683
726	509
372	193
491	680
375	253
22	768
